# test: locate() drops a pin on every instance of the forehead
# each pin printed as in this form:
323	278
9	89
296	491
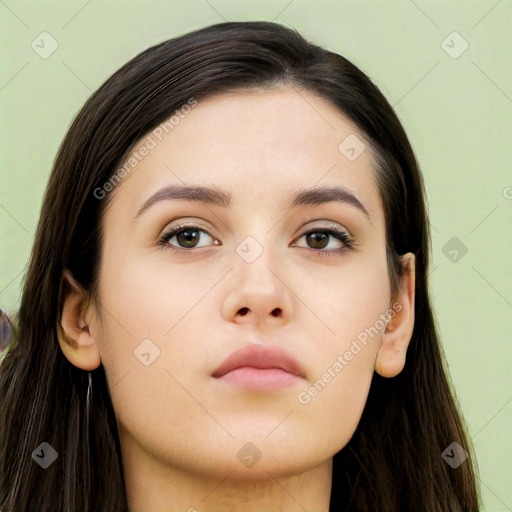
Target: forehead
262	143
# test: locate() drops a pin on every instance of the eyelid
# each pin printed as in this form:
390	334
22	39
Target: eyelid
329	224
186	224
197	224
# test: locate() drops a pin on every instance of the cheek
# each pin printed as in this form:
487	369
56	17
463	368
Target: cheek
153	321
149	350
350	303
334	402
346	299
148	297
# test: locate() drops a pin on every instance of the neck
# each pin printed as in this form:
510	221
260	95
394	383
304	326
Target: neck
153	485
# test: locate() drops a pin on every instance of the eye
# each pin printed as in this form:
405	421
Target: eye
186	237
319	238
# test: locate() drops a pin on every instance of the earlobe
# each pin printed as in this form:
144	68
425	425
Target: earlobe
390	359
74	330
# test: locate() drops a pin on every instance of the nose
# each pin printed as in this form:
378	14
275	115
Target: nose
258	294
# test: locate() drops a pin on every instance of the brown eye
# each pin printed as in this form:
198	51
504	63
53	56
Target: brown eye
320	238
187	237
317	239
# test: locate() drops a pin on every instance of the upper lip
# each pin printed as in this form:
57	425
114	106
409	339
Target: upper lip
256	356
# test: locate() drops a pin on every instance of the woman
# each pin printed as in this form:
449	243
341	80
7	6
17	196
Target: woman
227	305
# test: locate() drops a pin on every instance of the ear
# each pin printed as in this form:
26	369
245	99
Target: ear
74	329
395	340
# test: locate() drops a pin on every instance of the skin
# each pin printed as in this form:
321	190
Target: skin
181	429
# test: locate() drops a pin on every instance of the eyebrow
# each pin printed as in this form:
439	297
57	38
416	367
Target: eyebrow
220	197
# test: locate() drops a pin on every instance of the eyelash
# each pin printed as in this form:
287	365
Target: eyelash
331	230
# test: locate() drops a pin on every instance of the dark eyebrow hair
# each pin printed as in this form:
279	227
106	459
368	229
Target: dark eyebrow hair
320	195
222	198
210	195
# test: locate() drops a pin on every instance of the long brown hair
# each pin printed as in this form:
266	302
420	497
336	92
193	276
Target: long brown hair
394	459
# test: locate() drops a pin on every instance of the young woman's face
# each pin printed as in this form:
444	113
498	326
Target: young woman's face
249	278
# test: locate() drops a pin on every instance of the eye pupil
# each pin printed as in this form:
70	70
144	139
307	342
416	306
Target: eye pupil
185	236
316	237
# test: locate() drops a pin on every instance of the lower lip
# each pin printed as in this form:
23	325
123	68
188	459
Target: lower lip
261	379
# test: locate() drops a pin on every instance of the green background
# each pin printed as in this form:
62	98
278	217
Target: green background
457	110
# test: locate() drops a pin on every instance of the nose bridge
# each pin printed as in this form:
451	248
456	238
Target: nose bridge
257	266
259	243
257	288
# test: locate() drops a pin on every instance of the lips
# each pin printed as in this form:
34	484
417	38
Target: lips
262	358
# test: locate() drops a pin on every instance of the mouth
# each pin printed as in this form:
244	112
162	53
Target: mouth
258	368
